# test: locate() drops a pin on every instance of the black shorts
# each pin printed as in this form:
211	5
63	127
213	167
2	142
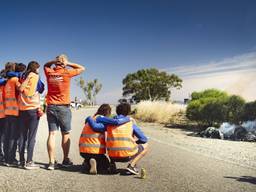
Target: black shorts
127	159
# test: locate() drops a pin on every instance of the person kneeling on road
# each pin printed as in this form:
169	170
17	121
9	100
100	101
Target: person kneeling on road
92	145
121	143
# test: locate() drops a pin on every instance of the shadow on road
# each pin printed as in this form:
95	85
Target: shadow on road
245	179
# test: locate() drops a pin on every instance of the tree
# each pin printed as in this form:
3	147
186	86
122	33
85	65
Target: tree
212	107
249	111
90	89
150	84
207	107
235	106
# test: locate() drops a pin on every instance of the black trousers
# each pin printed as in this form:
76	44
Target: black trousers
11	134
2	128
28	125
101	159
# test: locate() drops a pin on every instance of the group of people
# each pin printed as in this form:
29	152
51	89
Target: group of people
119	138
103	141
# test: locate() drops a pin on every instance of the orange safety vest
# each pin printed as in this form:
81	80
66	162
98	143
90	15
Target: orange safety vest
2	114
120	142
92	142
29	98
10	97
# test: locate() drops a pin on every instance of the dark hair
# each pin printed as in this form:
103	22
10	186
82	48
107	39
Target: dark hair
2	73
32	67
123	109
104	110
9	67
20	67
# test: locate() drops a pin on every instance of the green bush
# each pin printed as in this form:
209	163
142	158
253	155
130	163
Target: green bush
235	106
212	107
249	111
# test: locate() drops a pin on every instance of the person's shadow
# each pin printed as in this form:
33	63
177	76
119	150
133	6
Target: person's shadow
245	179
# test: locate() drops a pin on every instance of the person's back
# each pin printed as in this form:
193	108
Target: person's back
58	81
58	104
10	95
120	142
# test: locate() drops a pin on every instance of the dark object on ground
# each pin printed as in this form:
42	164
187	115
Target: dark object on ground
250	137
239	133
211	132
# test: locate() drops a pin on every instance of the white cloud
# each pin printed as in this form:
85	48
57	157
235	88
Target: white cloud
235	75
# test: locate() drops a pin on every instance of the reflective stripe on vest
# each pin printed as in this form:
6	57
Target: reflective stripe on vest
10	99
11	108
122	148
120	141
93	136
91	145
28	102
92	142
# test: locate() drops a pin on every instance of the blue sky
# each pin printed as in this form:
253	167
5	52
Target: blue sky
113	38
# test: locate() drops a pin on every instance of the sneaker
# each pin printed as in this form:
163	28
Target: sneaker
67	163
14	163
52	166
31	165
93	166
85	166
132	170
22	164
112	168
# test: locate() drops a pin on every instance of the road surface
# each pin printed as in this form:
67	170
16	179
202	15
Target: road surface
169	165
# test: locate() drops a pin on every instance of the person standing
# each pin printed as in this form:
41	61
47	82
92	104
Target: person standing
29	106
2	116
58	74
11	132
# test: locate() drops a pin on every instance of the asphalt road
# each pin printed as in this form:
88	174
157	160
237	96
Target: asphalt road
169	167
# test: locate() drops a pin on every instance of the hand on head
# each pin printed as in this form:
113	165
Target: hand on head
62	60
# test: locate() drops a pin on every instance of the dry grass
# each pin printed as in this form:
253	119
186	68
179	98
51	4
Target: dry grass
158	111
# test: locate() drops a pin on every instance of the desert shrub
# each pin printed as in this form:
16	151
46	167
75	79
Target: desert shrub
157	111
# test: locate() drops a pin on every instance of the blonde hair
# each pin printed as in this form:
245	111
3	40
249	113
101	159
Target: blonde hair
62	56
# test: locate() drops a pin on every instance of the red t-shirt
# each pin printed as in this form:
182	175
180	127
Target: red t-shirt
58	81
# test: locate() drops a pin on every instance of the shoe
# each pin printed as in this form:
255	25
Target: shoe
22	164
93	166
67	163
51	166
132	170
14	163
112	168
31	165
85	166
6	164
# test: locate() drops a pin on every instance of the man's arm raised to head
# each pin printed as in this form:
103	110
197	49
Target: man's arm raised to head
50	63
79	68
76	66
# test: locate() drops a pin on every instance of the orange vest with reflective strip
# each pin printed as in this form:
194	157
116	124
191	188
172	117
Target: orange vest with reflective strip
10	97
120	142
92	142
2	114
29	98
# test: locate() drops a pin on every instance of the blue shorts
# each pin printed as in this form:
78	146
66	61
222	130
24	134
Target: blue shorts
59	116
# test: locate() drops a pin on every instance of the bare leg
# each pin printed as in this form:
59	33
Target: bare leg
65	144
140	156
51	146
